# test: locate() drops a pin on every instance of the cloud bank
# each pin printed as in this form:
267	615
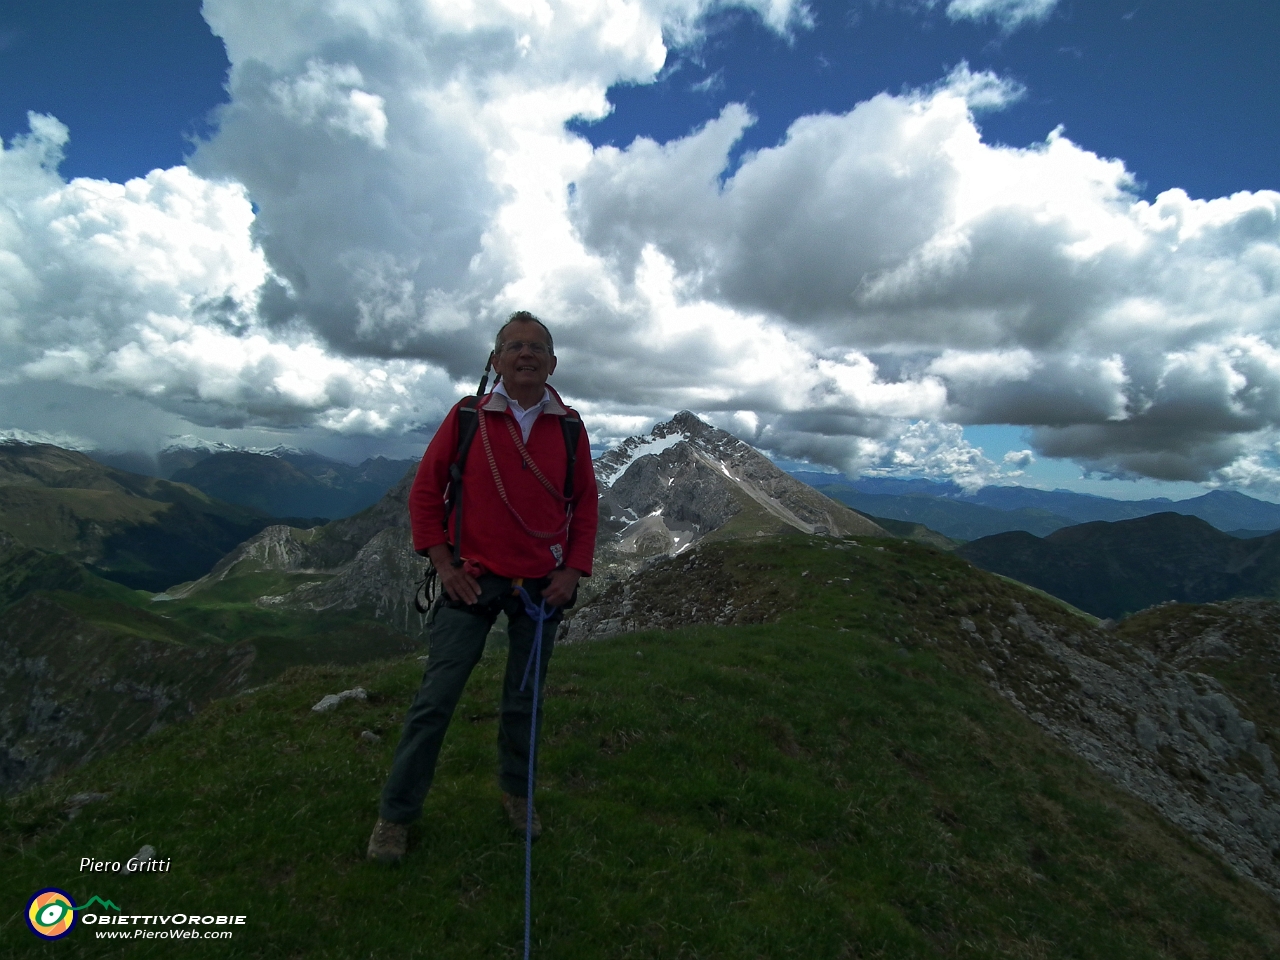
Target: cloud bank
388	180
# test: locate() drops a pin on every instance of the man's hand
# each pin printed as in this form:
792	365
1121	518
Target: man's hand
458	584
560	590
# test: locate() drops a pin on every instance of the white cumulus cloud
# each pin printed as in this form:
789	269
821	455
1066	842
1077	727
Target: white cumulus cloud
389	179
1024	286
150	288
330	95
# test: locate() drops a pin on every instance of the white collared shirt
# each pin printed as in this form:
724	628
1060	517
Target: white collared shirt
524	417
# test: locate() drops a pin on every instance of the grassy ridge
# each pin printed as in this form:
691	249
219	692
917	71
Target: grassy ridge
24	570
795	789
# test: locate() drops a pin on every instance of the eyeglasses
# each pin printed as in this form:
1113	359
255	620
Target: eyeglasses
535	346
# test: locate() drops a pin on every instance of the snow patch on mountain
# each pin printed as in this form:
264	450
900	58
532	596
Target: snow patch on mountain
65	440
189	442
614	463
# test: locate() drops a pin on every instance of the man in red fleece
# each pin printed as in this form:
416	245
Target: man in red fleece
514	524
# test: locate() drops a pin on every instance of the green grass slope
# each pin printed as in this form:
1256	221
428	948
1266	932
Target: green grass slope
283	637
88	666
81	677
25	570
913	531
804	788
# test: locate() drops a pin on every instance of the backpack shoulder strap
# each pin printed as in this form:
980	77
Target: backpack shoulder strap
468	420
572	428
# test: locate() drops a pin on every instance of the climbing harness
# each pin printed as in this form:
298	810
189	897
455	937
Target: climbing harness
539	615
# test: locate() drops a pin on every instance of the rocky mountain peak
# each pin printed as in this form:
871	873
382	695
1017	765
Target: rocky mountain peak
687	424
683	427
686	479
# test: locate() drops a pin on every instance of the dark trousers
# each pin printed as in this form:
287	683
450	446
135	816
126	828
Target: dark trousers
457	635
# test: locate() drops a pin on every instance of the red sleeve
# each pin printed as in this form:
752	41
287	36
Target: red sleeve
426	498
581	548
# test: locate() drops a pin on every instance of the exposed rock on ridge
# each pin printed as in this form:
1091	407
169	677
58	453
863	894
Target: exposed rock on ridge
1176	739
695	587
370	556
379	579
325	549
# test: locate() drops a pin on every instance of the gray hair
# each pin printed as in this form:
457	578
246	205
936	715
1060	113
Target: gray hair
523	316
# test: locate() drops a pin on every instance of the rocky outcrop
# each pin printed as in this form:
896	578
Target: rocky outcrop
696	587
380	580
1176	739
276	548
326	549
370	555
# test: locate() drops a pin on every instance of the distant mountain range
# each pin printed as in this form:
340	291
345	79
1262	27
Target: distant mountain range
948	509
1114	569
282	481
143	532
288	482
294	484
660	494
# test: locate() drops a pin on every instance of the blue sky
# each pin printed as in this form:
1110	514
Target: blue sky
1179	90
133	80
1176	89
877	235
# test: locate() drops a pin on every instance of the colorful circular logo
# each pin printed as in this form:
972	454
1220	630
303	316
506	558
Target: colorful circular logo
51	914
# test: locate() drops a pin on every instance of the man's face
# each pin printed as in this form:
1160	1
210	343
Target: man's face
524	369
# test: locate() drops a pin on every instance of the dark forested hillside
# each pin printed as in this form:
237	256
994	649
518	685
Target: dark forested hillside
294	485
1113	569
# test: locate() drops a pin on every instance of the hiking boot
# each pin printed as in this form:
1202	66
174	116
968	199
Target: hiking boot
388	841
518	813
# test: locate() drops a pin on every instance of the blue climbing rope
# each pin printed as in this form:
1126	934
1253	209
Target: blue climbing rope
539	614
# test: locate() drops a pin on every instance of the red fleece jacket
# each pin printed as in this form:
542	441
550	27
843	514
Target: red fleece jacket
491	536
